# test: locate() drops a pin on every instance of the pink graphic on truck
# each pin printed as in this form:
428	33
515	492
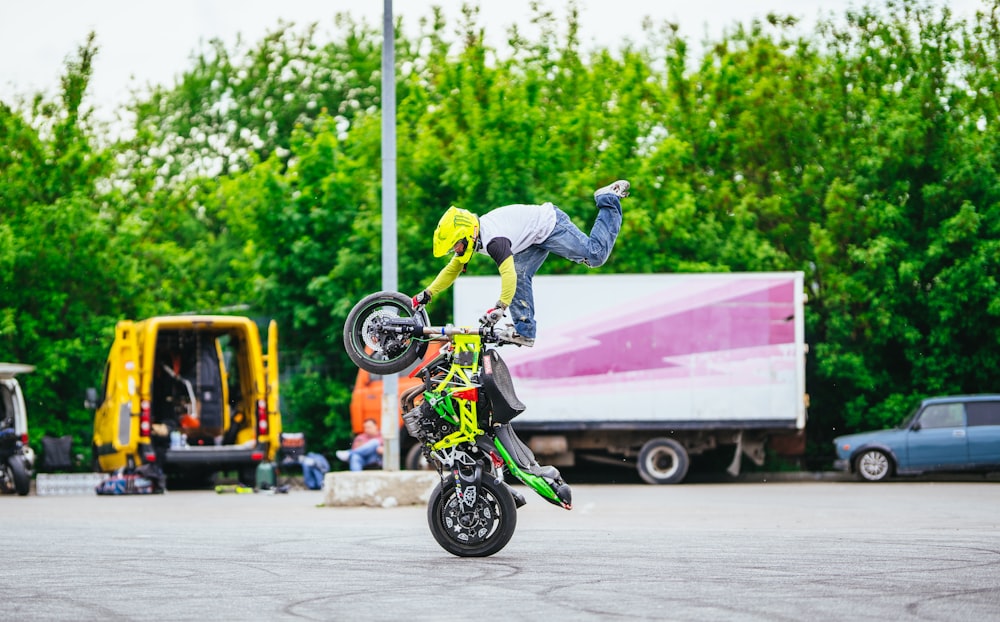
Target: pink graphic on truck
695	349
732	321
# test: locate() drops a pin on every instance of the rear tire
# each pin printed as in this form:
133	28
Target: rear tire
373	350
19	473
479	533
663	461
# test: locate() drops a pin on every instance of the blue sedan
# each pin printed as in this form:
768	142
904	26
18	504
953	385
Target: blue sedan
954	433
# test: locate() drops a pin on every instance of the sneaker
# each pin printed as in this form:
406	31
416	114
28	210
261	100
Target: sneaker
619	189
343	455
510	336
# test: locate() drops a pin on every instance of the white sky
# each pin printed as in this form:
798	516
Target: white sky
143	43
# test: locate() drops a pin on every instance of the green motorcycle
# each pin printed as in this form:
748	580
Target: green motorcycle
461	417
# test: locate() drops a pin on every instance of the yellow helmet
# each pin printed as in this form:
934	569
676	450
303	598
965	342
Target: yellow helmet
456	224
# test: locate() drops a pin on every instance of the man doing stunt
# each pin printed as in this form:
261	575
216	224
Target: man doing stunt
519	238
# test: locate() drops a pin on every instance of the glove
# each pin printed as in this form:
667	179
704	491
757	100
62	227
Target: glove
421	299
493	316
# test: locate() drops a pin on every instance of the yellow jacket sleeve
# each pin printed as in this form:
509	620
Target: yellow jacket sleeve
448	274
446	277
508	281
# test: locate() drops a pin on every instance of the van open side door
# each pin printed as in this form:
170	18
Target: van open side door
273	396
117	417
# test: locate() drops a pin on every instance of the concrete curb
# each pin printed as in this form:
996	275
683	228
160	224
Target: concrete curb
393	488
378	488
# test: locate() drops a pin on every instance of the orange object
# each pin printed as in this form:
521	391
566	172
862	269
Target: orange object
366	399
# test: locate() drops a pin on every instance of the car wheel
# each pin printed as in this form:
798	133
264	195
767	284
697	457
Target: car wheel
873	466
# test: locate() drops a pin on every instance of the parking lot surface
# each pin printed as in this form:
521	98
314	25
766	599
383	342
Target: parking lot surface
746	551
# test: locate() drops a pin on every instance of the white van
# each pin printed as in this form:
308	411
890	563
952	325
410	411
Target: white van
18	460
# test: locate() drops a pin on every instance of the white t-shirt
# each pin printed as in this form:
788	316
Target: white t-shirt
523	225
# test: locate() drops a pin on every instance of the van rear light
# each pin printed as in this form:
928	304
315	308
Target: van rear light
257	456
144	420
24	440
261	418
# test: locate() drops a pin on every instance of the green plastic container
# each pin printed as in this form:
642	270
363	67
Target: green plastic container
266	477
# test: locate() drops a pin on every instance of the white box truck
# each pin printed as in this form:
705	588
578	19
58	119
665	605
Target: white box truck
649	369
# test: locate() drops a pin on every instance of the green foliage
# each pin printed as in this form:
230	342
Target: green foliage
55	241
315	406
863	153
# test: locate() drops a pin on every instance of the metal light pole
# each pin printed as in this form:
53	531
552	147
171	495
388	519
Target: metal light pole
390	383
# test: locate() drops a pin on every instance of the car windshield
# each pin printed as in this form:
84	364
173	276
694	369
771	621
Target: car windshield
909	419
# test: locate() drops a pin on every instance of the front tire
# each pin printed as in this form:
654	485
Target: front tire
481	532
377	351
663	461
873	466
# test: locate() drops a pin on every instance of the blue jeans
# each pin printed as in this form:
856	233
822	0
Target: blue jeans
567	241
364	455
314	467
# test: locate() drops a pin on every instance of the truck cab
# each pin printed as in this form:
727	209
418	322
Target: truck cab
192	394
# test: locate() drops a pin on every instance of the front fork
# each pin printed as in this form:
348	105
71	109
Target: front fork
468	478
467	485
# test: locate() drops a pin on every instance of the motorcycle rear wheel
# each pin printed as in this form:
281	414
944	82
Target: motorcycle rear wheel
377	351
479	532
19	474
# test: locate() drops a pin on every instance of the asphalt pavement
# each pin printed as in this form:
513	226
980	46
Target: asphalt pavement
907	550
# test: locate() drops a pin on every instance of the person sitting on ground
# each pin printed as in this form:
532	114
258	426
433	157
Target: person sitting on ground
519	238
366	450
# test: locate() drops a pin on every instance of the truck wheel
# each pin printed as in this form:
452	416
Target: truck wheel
663	461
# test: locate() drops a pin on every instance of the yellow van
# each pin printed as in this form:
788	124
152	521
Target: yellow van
193	394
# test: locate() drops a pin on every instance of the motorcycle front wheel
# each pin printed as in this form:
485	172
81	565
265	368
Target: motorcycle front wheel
372	347
477	531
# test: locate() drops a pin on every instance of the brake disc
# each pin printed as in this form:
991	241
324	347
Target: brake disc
372	333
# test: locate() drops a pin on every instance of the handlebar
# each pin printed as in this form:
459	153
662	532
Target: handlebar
413	326
485	332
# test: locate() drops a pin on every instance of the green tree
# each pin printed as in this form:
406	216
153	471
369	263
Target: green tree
900	315
862	153
56	239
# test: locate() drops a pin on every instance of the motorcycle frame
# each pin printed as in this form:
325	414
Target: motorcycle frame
455	398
